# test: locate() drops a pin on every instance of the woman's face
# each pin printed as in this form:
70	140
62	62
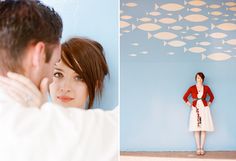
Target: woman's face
199	79
67	88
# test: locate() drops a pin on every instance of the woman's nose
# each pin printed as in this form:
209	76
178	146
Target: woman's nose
66	86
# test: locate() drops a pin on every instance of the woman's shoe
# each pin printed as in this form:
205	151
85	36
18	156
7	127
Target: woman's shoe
202	152
198	151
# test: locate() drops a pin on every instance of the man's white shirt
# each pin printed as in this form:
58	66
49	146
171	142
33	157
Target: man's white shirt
55	133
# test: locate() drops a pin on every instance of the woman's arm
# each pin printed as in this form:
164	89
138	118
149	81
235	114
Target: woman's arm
186	95
209	92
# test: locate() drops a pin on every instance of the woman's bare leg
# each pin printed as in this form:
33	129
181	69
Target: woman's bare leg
203	139
197	139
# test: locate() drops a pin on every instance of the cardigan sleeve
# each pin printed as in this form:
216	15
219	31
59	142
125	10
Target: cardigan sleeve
186	95
209	92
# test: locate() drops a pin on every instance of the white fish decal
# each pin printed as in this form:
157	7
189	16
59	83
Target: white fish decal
163	35
226	20
191	37
194	9
215	13
195	49
126	17
177	28
153	13
230	42
171	7
195	3
215	18
198	28
133	55
124	24
194	18
217	56
144	52
204	43
167	20
144	19
214	6
175	43
121	11
135	44
147	27
225	26
228	51
217	35
230	4
130	4
171	53
126	31
219	47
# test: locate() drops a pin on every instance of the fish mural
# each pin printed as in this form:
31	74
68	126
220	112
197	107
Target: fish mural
172	7
147	27
194	9
194	18
175	43
195	49
217	56
163	36
206	28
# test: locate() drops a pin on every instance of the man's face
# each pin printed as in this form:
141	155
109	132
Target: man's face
49	67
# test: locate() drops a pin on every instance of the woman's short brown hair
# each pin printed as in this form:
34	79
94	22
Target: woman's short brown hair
200	75
86	58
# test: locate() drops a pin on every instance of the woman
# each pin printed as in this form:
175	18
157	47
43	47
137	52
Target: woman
77	79
80	73
200	116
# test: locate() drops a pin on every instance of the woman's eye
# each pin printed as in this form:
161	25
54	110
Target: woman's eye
78	78
58	75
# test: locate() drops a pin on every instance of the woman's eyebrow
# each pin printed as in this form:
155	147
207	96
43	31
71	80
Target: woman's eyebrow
58	69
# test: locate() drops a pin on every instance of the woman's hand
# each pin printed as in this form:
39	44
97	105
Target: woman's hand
209	104
23	90
189	104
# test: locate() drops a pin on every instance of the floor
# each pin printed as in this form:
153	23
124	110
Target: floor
177	156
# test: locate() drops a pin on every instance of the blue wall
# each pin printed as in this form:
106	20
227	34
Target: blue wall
154	77
97	20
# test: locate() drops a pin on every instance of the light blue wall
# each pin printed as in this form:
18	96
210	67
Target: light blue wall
154	116
97	20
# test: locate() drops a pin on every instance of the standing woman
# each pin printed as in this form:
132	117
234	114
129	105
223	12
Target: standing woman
200	116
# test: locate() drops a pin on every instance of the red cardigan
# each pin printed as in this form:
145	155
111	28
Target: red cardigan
193	91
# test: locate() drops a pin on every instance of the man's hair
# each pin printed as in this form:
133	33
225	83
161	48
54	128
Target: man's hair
23	23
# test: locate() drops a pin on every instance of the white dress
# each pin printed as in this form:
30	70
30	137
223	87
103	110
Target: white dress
205	123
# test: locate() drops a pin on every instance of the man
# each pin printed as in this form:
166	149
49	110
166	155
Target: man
30	45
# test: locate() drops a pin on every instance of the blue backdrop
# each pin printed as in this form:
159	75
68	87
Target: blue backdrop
163	44
97	20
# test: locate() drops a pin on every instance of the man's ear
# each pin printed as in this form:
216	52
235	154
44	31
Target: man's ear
38	54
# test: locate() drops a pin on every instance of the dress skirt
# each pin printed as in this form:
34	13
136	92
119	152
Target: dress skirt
204	115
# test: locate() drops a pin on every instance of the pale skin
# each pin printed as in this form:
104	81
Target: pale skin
200	136
67	88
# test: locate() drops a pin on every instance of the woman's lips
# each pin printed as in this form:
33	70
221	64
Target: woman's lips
64	98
